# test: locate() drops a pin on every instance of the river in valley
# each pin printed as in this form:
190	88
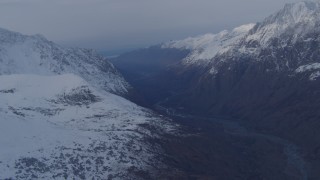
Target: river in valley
215	148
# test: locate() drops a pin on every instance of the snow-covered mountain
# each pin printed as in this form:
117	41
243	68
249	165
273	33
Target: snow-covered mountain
295	24
289	37
60	117
290	24
21	54
285	41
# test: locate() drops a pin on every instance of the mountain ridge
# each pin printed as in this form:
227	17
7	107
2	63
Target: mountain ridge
35	54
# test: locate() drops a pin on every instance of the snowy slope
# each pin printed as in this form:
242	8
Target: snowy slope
295	18
205	47
61	127
20	54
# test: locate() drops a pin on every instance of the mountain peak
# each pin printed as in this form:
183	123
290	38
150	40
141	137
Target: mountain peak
293	21
299	12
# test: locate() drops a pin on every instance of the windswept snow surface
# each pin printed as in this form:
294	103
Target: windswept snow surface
60	127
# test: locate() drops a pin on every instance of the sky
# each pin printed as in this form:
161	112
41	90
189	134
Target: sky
119	25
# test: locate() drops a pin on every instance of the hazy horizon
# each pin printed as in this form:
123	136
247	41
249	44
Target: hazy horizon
121	25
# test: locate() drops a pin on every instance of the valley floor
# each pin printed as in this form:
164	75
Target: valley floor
225	149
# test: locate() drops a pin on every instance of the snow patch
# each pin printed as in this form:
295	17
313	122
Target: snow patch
314	76
308	67
213	71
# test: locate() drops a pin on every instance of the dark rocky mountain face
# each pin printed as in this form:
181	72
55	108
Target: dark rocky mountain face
268	80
